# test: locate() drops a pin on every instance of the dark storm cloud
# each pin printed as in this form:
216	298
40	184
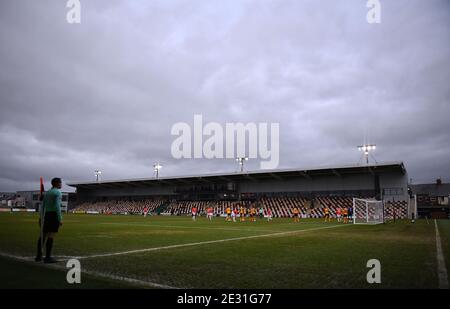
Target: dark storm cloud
104	94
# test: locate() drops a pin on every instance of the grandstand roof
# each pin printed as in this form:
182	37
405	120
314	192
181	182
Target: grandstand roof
279	174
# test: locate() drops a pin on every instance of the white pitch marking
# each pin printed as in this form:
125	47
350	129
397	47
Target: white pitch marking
92	273
441	269
206	242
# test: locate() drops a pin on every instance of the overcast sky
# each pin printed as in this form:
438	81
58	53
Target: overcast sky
105	93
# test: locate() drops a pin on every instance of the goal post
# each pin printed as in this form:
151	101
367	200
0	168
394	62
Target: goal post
367	211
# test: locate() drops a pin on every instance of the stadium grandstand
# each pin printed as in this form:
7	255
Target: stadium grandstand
309	190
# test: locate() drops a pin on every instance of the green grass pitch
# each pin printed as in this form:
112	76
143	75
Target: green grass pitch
176	252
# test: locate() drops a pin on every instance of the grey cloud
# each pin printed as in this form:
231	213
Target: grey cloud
105	93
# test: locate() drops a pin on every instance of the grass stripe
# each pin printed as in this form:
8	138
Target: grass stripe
90	272
189	227
206	242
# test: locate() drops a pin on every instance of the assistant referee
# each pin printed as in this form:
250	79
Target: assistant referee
51	211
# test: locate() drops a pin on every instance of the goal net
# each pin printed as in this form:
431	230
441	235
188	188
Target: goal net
367	211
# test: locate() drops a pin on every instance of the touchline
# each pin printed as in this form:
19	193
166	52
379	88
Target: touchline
190	141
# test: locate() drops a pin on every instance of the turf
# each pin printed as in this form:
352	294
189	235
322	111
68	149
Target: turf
22	275
314	255
444	231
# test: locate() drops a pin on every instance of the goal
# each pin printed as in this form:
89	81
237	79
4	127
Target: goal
367	211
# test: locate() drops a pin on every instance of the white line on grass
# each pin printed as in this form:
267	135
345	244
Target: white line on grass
441	269
31	258
90	272
205	242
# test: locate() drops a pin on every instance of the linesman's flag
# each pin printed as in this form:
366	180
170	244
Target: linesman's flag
41	195
41	214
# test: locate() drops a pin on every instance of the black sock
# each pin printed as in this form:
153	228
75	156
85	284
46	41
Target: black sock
49	245
39	248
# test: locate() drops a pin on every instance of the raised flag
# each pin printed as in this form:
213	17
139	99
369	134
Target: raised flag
41	195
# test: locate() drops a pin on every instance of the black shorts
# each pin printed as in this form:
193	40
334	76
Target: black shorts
51	222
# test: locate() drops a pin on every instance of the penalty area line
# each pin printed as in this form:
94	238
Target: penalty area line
207	242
